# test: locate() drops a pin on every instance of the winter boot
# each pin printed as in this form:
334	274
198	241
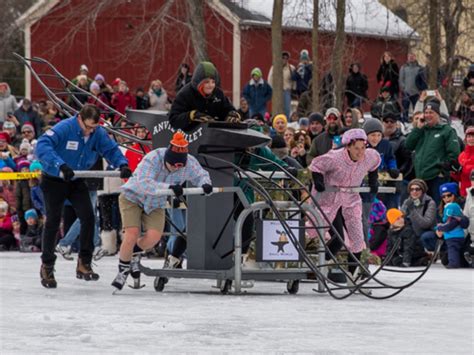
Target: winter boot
84	271
47	276
109	241
121	278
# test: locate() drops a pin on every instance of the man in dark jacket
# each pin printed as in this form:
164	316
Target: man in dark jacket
330	138
385	105
201	100
25	113
257	92
356	86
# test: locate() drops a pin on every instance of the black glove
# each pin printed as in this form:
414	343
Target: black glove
233	117
207	188
177	189
68	173
199	116
318	180
373	181
175	202
393	173
374	189
125	171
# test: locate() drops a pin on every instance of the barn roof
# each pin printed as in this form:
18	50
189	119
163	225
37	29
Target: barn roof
363	17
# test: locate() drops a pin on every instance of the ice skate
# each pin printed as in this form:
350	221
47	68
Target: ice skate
135	271
121	278
47	276
65	251
84	271
99	253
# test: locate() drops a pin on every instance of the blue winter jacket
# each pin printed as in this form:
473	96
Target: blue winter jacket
257	95
64	143
386	153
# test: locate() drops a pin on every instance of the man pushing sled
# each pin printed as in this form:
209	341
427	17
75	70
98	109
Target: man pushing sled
140	206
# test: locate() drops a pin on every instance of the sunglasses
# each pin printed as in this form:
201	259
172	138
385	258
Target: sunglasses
26	131
415	189
447	195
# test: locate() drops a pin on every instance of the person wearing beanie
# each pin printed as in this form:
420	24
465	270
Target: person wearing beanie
279	124
410	251
162	168
10	128
288	71
257	92
7	240
346	167
30	241
303	123
25	113
316	125
28	131
202	100
330	138
419	208
452	231
437	149
6	151
303	73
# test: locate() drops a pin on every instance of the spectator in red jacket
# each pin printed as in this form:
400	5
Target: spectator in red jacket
466	160
122	99
135	158
7	240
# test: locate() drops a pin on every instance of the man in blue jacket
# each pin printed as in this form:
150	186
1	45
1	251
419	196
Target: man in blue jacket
257	93
73	144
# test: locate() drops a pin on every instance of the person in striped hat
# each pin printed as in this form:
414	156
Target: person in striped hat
141	207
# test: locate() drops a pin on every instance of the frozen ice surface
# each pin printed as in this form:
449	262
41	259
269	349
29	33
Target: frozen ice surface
434	316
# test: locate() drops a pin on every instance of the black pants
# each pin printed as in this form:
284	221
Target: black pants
106	210
55	192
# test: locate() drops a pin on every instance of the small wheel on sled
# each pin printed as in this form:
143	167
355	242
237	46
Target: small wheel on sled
225	286
293	286
160	283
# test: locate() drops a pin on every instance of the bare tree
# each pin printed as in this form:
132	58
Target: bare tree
434	43
277	78
337	59
315	49
195	15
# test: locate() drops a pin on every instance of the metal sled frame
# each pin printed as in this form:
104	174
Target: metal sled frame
62	90
308	208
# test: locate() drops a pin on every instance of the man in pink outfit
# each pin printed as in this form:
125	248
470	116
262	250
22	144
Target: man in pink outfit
345	168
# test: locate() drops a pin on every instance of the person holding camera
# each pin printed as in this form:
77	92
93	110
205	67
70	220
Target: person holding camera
437	148
73	144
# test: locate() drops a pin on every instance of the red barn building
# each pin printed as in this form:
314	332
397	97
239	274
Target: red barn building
238	37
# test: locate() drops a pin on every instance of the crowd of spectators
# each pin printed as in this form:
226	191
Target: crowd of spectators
426	150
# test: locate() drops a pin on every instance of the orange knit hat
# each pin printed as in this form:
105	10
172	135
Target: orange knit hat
393	215
177	152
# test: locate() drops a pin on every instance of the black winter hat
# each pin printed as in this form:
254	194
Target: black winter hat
278	142
316	117
203	71
432	105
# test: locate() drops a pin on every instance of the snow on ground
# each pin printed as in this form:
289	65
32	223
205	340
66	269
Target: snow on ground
435	316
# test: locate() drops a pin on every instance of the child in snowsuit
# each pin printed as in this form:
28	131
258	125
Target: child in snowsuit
140	206
378	228
31	240
410	251
7	240
452	230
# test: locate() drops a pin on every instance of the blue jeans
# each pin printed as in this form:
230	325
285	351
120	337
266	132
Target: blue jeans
287	103
178	218
73	232
454	246
408	99
357	102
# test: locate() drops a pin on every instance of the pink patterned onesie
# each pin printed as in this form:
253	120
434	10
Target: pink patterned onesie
339	170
